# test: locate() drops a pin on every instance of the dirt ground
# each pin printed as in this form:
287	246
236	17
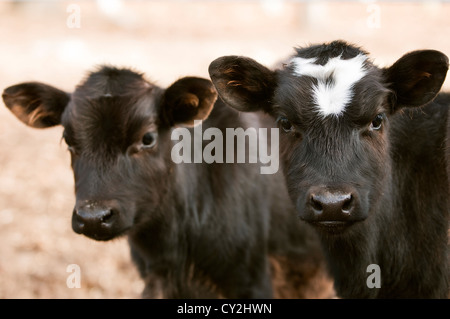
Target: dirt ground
58	42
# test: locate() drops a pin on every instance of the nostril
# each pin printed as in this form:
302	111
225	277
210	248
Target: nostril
315	203
348	204
106	215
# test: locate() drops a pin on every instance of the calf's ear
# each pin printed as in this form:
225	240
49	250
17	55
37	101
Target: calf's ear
36	104
187	100
243	83
416	78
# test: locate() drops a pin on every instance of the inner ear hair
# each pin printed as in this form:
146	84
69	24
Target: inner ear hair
187	100
186	108
243	83
36	104
417	77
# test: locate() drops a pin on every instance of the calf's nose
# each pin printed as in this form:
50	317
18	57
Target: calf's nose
94	219
332	206
89	217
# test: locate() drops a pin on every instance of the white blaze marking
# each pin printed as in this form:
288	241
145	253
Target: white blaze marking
332	97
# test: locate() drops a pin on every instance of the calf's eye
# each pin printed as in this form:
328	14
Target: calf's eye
377	122
149	140
285	124
69	142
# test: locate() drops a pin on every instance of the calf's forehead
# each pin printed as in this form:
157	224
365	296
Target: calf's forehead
334	81
114	95
119	111
332	87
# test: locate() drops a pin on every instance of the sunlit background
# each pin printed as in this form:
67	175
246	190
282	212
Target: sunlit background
58	42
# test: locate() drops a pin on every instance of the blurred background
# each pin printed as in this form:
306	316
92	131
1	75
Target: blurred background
58	42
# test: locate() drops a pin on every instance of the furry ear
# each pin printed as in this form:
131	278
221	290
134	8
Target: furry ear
417	77
187	100
36	104
243	83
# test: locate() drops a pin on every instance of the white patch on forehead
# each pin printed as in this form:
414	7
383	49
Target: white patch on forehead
335	81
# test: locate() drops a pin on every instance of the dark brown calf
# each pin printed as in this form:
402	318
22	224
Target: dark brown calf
365	160
195	230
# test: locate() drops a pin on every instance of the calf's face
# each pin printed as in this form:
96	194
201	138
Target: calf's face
117	129
333	107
